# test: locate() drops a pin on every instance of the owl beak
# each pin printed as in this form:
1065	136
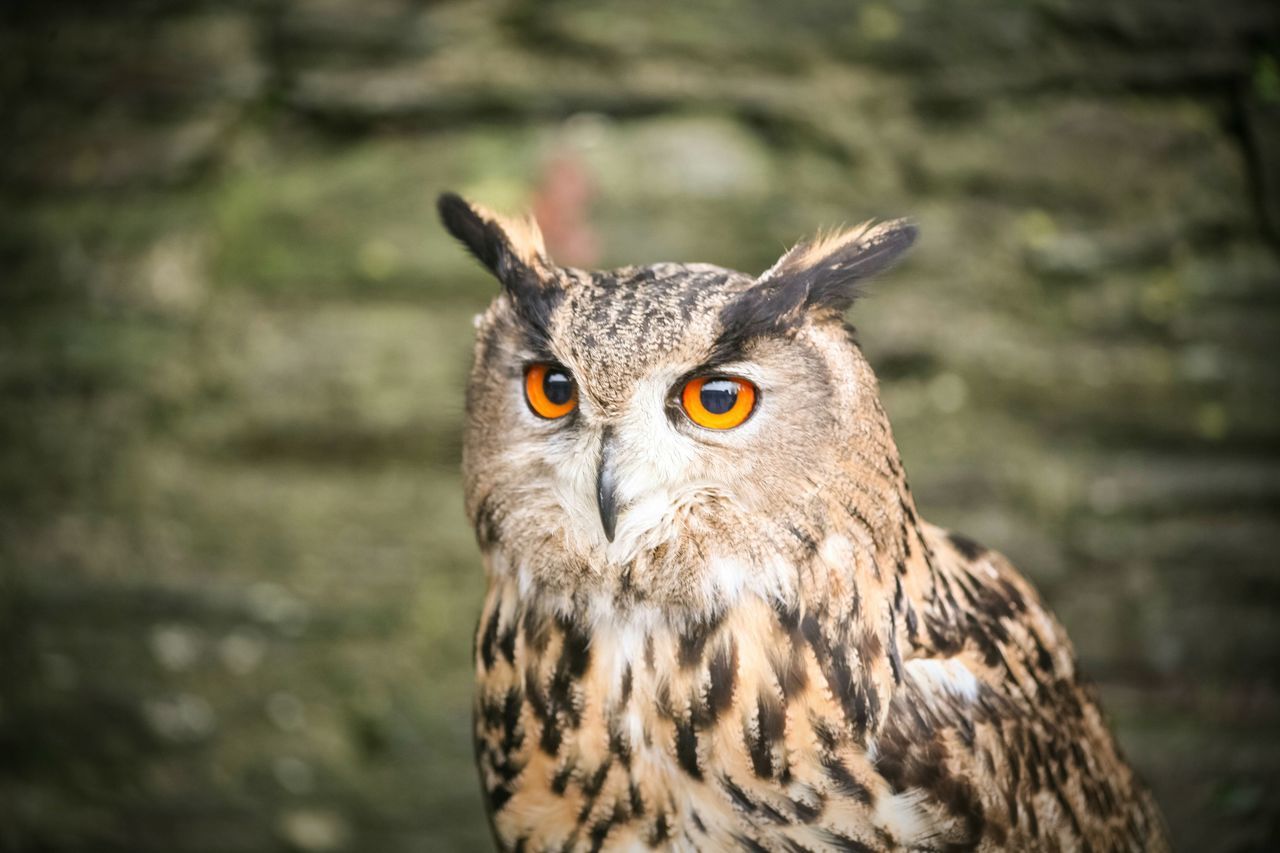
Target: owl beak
606	482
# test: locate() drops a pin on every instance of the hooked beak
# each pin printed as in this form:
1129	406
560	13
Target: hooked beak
606	482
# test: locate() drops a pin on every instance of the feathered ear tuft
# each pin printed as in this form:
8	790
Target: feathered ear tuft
513	251
498	242
820	275
832	265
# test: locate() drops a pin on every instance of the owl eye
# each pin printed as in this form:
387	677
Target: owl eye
550	390
718	402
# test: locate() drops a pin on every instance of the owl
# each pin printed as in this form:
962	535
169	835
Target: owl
714	617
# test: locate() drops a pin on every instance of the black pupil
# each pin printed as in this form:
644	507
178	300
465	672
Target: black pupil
558	387
719	395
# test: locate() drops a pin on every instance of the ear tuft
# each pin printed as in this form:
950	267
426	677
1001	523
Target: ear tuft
500	243
513	251
820	275
829	267
462	221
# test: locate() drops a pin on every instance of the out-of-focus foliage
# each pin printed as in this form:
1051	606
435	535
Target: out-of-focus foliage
237	587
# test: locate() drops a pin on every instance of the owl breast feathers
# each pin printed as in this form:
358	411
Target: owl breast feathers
714	619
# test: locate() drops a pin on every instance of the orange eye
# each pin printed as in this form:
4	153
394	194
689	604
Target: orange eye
718	402
550	390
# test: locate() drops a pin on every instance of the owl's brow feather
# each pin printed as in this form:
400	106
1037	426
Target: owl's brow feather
534	307
742	322
538	345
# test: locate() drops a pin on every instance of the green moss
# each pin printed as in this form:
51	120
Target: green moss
359	222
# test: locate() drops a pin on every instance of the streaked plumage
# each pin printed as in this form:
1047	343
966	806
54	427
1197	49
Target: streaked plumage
767	649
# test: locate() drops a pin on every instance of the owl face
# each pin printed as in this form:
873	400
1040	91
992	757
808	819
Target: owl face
643	431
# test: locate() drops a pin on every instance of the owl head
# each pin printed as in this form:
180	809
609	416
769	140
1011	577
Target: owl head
667	433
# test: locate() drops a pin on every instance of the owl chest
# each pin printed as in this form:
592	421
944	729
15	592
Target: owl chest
652	737
574	751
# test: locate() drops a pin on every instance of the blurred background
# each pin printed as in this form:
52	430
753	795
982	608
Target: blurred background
237	589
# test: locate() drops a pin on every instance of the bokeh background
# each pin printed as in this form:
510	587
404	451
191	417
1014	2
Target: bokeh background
237	588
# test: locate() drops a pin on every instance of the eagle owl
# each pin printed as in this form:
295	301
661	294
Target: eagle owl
714	619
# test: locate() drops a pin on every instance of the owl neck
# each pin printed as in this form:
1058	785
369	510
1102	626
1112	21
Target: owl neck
897	586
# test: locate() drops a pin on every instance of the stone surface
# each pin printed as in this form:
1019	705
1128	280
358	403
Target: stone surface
236	585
